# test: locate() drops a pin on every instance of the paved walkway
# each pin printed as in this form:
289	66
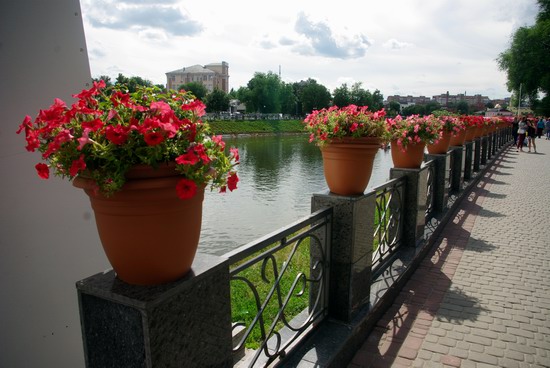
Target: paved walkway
481	298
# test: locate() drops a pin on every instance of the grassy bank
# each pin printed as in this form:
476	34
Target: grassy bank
256	126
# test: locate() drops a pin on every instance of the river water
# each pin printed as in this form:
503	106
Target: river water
278	174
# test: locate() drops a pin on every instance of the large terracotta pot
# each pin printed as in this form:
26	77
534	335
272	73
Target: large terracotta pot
149	235
411	158
458	139
442	146
470	133
479	132
347	164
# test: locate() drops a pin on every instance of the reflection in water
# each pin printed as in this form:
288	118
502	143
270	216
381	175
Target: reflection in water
278	175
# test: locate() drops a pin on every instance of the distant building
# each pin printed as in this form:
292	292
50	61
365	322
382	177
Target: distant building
477	101
409	100
498	111
212	76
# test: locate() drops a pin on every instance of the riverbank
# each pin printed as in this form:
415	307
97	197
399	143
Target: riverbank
256	127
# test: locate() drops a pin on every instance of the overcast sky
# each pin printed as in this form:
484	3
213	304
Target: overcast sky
406	47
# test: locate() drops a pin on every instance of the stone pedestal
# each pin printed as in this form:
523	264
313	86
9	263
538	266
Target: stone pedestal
484	150
468	159
351	251
416	195
186	323
457	165
441	180
477	153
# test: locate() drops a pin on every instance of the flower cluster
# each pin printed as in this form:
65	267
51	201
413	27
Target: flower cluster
452	124
350	121
414	129
472	120
108	130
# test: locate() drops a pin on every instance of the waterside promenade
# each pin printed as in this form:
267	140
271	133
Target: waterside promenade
481	298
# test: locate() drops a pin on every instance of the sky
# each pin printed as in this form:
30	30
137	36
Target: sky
405	47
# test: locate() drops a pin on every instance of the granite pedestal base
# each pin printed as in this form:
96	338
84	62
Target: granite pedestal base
186	323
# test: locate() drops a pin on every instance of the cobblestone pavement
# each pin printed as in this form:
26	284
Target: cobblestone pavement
481	298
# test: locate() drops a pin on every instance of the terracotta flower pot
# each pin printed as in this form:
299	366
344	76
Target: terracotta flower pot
458	139
479	132
442	146
149	235
470	134
347	164
411	158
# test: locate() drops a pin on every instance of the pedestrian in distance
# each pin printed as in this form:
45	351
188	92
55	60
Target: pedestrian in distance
522	130
515	127
540	127
547	128
531	135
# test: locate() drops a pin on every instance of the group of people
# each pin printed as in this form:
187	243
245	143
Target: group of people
530	128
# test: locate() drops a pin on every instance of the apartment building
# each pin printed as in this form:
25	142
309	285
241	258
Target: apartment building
446	99
409	100
212	76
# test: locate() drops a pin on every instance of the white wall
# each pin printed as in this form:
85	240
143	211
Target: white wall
48	239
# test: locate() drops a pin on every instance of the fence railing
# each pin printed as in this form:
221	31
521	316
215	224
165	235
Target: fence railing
263	299
279	287
390	200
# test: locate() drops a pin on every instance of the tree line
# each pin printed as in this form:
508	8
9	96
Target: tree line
265	93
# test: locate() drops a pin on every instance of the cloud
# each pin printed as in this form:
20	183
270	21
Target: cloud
286	41
393	44
322	41
140	15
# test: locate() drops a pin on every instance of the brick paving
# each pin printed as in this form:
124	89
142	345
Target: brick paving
481	298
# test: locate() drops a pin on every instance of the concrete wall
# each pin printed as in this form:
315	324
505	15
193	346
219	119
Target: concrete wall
48	239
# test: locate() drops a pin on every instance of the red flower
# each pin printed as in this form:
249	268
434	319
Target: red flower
219	141
93	125
188	158
201	152
116	134
232	181
186	189
77	166
235	152
43	170
153	138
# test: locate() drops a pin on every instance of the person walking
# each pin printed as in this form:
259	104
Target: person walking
540	127
522	130
547	128
515	127
531	135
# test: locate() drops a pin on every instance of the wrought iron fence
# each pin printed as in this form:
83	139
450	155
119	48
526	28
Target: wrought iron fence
279	287
388	227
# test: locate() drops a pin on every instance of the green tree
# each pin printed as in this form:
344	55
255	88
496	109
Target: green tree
413	110
394	108
216	101
263	93
313	95
341	96
462	107
196	88
132	82
431	106
527	61
289	104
